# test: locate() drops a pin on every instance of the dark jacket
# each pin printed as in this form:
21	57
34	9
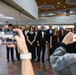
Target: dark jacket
48	35
39	37
23	32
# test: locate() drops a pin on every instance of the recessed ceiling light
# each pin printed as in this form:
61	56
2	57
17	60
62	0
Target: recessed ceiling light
5	17
58	2
50	14
46	7
54	8
64	6
44	2
46	10
57	6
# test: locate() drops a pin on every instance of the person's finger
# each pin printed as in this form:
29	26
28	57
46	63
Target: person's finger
19	31
16	38
70	34
18	50
11	46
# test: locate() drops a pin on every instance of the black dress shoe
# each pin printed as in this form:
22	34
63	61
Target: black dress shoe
43	61
38	60
13	60
18	59
48	60
32	60
8	60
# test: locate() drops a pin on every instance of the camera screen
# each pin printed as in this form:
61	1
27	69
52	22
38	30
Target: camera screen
15	33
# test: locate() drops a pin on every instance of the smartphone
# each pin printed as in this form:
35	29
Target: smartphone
74	36
15	34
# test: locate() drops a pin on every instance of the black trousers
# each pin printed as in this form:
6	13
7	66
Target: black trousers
17	54
40	48
31	48
51	52
36	49
12	53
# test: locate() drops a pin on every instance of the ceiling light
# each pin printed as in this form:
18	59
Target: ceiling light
9	18
58	2
57	6
64	6
54	8
44	2
50	14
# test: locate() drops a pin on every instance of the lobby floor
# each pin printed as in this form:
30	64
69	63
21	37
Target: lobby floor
14	68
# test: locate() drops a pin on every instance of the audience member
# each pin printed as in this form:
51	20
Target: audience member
41	43
31	37
54	40
48	33
9	30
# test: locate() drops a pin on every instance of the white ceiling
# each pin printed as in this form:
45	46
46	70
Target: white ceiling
10	12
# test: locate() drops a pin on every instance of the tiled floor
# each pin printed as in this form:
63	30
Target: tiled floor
14	68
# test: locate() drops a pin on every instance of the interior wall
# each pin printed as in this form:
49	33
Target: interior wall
58	20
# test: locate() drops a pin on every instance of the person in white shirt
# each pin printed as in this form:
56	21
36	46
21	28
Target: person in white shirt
25	31
41	43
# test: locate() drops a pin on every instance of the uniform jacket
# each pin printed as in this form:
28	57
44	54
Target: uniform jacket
39	37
